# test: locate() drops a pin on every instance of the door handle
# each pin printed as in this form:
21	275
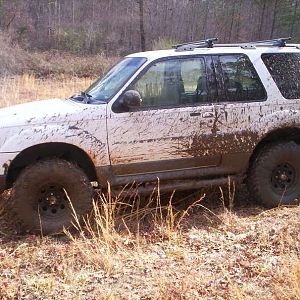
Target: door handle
195	114
208	114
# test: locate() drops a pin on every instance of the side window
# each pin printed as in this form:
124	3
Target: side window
241	82
285	70
173	82
194	80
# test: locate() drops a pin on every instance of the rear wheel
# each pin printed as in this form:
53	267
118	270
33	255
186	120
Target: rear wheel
48	193
274	176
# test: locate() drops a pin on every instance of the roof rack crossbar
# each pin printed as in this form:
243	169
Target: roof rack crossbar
207	43
280	42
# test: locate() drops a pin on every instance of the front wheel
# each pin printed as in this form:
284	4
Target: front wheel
49	194
274	177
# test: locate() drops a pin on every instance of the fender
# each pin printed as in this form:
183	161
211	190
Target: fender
92	140
288	118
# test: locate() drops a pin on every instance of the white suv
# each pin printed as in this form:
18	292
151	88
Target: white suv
191	116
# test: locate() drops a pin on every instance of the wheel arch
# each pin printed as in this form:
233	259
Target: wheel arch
276	135
39	152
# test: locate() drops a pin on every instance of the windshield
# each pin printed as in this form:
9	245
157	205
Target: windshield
105	88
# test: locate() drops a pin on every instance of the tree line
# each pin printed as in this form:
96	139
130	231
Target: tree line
124	26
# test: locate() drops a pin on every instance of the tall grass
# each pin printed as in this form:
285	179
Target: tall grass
24	88
117	223
153	246
16	61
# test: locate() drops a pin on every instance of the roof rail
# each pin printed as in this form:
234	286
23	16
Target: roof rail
209	43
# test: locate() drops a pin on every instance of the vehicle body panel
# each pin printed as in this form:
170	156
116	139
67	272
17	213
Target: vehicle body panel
55	121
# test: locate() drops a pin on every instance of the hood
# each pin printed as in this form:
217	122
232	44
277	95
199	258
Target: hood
40	112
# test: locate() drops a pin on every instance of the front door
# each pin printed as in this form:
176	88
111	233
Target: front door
174	127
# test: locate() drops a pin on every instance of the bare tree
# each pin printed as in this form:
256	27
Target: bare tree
123	26
142	26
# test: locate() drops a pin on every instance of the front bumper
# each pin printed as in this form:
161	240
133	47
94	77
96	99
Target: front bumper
2	183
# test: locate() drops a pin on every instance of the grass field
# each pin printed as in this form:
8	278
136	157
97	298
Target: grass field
189	246
24	88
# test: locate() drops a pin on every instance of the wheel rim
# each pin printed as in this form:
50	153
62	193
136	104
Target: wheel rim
52	201
283	178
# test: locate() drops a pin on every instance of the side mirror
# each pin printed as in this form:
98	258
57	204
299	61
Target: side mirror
132	99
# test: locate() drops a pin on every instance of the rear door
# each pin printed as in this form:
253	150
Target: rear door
240	103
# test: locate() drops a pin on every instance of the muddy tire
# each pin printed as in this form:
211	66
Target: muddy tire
42	194
274	177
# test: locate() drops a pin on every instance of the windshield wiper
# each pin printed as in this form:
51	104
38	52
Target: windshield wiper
82	97
86	98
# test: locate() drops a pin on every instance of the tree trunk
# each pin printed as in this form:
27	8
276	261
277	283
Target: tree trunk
142	25
205	20
294	19
232	22
274	19
262	21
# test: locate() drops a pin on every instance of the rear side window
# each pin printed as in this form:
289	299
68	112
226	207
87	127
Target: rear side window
285	70
241	82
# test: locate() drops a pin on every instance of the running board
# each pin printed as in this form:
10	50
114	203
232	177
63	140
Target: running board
177	185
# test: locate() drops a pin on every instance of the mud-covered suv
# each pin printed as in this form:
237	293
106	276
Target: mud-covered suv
191	116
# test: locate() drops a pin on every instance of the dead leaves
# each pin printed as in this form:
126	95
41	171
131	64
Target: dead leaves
243	256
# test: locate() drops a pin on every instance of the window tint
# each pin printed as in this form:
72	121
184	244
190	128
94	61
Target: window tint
173	83
285	70
194	80
241	82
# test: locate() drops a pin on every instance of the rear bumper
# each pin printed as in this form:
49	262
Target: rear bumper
2	183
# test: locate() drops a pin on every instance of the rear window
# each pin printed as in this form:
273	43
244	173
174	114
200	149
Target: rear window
241	82
285	70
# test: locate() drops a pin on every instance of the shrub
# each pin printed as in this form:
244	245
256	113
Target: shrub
164	43
15	61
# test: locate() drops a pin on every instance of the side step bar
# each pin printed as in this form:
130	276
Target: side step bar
178	185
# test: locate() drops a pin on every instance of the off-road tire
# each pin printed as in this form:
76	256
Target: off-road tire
274	176
30	201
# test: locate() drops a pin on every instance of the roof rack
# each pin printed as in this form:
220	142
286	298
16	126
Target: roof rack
209	43
280	42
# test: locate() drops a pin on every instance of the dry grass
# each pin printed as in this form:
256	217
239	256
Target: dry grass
53	64
16	61
13	59
191	250
24	88
153	248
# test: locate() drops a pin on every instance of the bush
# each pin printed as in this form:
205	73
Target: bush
72	41
14	61
164	43
54	63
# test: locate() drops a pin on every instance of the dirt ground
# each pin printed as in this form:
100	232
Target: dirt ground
191	250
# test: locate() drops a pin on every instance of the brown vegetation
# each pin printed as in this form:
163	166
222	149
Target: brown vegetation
15	60
118	27
159	249
25	88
